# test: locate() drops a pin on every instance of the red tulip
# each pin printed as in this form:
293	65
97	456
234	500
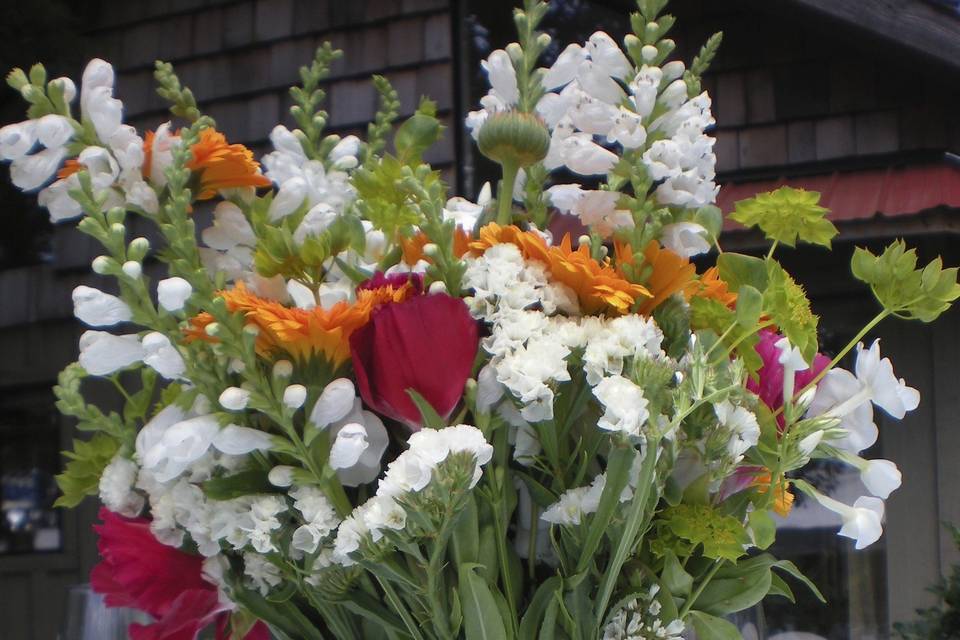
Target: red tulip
138	571
426	343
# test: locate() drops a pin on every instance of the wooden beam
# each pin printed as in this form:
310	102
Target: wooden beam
921	26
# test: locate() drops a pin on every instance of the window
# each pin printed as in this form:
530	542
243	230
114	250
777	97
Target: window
29	458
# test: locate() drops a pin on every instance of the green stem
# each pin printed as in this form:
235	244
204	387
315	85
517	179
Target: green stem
773	248
628	539
394	599
502	449
700	587
505	196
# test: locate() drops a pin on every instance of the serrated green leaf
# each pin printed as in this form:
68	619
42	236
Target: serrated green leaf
787	215
81	476
722	536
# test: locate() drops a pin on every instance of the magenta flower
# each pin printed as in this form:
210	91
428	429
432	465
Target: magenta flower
769	382
396	280
426	343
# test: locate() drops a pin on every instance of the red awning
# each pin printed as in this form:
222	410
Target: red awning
857	195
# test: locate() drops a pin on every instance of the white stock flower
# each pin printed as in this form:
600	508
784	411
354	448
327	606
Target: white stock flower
263	574
173	293
685	238
103	353
383	512
743	426
624	404
116	487
319	516
98	309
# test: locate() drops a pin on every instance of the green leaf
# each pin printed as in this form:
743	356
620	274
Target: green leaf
737	270
674	577
711	314
712	628
537	608
792	570
779	587
787	305
711	219
418	133
749	306
431	419
735	589
786	215
619	464
481	616
763	527
465	540
81	476
902	289
239	484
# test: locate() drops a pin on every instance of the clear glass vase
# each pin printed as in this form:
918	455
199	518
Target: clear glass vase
88	617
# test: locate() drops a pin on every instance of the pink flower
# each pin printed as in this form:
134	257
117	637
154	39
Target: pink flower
426	343
769	382
396	280
139	572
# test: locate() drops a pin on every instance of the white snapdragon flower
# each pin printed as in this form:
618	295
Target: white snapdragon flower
160	355
116	487
687	239
173	293
349	444
359	437
792	361
231	241
161	154
103	353
98	309
334	403
880	477
886	390
624	404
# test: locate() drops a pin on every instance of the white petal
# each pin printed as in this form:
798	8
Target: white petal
30	172
98	73
564	70
54	131
607	56
348	147
685	238
17	139
294	396
334	403
314	222
502	76
234	399
288	199
173	293
68	87
565	196
237	441
102	353
349	445
881	477
103	110
596	83
489	389
583	156
161	356
98	309
101	165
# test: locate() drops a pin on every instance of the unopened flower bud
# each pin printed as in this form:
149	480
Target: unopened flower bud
584	240
806	399
281	476
31	93
235	365
137	249
514	138
118	228
808	444
649	53
294	396
234	399
132	269
101	265
673	70
515	51
251	330
543	40
282	369
115	215
67	86
212	329
430	249
438	286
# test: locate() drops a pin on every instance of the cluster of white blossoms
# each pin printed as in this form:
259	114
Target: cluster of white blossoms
411	472
596	98
114	165
639	619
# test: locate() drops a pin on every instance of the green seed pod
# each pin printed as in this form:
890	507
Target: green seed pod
514	138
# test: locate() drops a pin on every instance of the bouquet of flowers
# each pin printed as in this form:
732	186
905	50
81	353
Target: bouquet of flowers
354	408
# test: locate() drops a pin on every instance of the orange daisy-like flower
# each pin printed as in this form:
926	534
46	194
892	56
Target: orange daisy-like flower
782	496
307	333
412	247
711	286
222	165
69	168
599	288
670	273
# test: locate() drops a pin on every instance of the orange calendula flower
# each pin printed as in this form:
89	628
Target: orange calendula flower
782	497
711	286
306	333
222	165
412	247
670	273
69	168
599	288
197	329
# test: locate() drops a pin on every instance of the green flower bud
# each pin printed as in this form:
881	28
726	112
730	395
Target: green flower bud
138	248
514	138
